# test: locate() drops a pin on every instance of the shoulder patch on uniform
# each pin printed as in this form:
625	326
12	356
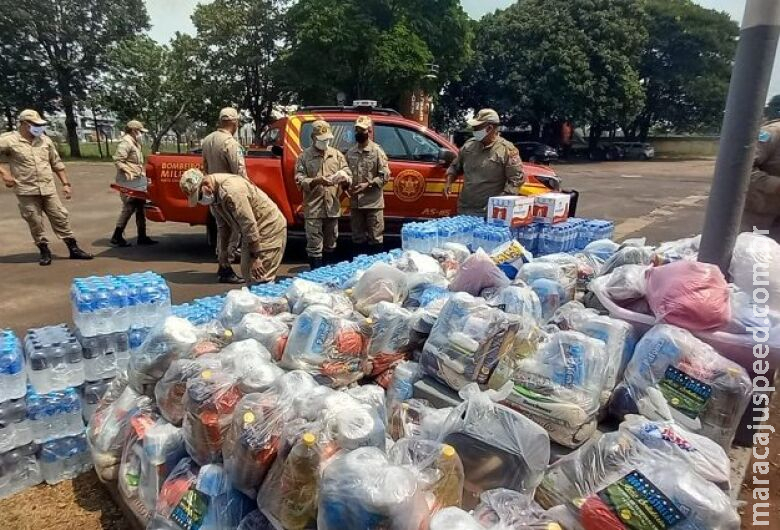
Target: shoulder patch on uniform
764	136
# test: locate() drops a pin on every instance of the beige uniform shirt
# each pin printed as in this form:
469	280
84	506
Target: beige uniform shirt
319	201
223	154
129	160
488	171
369	165
240	205
32	163
764	191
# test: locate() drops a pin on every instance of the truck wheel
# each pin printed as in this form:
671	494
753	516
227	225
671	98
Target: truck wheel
211	232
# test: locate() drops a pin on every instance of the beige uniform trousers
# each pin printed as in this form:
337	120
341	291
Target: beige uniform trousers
32	208
368	225
132	206
270	260
321	235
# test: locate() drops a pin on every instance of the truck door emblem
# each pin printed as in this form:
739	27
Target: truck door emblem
409	185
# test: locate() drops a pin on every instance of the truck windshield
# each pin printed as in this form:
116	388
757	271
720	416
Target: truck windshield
343	134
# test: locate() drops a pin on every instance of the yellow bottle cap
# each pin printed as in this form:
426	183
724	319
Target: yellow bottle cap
369	321
554	526
447	451
206	374
249	417
309	439
228	333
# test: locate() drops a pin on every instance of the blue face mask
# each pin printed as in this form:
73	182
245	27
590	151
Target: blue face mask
37	130
206	199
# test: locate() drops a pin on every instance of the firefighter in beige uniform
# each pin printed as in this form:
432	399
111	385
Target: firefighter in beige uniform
321	173
129	162
34	161
490	165
370	172
762	207
239	204
223	154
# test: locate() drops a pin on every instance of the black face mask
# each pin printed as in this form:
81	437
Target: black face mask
361	136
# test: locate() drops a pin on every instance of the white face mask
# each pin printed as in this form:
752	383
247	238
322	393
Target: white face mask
206	199
322	145
37	130
480	135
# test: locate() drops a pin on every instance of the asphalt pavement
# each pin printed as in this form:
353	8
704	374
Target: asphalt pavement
660	199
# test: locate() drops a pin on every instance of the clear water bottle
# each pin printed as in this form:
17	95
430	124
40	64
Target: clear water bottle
19	470
54	415
52	461
15	428
91	394
13	378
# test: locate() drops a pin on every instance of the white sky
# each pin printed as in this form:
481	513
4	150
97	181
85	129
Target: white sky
170	16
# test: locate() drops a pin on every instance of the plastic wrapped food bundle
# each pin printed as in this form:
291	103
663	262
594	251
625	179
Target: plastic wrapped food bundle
674	375
745	314
300	287
448	261
705	457
252	364
560	386
350	423
757	256
270	332
467	341
603	249
628	255
330	347
109	427
419	284
173	339
208	410
152	450
453	519
503	509
627	283
336	301
169	391
568	273
401	386
360	489
553	282
499	448
439	470
241	302
416	418
612	481
198	498
522	301
212	337
411	261
510	257
681	249
689	294
390	338
477	273
380	283
256	521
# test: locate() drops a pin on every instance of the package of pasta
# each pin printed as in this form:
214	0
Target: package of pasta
467	341
270	331
675	376
560	386
209	401
328	346
109	427
173	339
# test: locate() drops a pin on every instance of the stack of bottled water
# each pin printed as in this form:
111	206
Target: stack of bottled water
489	237
337	275
528	236
19	470
54	415
424	237
13	379
108	304
105	355
136	337
15	429
65	458
593	230
54	358
91	393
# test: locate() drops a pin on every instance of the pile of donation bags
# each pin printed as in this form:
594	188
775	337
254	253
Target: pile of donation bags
298	412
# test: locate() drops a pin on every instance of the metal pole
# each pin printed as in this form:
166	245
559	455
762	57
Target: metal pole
744	109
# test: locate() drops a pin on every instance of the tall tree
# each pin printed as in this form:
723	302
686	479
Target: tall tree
240	42
541	61
151	82
375	49
68	41
685	67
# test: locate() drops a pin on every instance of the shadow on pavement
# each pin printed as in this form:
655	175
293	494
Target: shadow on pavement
191	277
179	247
29	257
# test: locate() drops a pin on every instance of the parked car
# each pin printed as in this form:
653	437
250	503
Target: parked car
637	150
607	151
537	152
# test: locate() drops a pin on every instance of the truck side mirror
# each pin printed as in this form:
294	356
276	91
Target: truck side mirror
277	150
446	157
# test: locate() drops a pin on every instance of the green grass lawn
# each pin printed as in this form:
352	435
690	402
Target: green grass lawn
90	151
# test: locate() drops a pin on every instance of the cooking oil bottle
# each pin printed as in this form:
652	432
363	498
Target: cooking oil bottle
299	485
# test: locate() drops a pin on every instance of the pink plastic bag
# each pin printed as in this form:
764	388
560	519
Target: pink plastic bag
690	295
478	272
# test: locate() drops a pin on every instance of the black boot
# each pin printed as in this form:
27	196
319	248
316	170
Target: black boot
329	258
144	239
75	251
118	240
315	263
45	255
226	275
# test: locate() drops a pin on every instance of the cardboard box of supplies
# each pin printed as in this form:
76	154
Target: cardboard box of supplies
511	211
551	207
